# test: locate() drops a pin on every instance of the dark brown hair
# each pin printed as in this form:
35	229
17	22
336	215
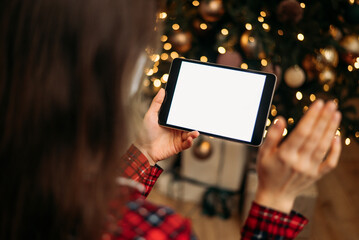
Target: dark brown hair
63	64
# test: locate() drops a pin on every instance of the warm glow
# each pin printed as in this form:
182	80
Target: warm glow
167	46
350	68
224	31
244	65
221	50
351	2
305	109
263	13
195	3
175	26
260	19
356	65
273	112
248	26
155	69
337	133
357	134
146	83
347	141
302	5
204	59
203	26
290	121
155	57
280	32
299	95
300	37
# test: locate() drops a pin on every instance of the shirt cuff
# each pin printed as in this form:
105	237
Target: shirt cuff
137	168
264	223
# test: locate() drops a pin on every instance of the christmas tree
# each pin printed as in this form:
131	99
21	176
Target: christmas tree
312	47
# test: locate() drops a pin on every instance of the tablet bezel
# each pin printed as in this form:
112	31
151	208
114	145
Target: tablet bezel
263	110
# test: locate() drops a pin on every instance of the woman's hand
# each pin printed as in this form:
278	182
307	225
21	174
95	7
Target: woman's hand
310	151
158	143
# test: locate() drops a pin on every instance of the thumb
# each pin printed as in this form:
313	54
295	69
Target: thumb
157	101
274	135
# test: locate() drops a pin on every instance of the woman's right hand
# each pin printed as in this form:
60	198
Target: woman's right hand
309	152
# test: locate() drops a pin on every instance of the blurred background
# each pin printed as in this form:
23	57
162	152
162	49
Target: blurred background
313	48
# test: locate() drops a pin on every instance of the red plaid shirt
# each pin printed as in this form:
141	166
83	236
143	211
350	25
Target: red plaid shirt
142	220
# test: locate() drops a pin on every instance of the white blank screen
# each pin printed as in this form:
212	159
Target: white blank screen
216	100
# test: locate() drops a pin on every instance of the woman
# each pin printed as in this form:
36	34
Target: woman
65	68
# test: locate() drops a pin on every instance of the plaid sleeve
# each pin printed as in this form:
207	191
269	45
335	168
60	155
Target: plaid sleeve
266	223
144	220
137	168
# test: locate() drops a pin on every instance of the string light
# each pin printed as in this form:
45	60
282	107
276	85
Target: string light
244	65
174	55
337	133
300	37
195	3
167	46
299	95
263	13
326	87
265	133
264	62
356	65
164	78
350	68
290	121
268	122
305	109
149	72
224	31
312	97
155	57
175	26
285	132
248	26
347	141
157	83
273	112
221	50
260	19
265	26
164	56
155	69
204	59
164	38
146	83
302	5
163	15
357	134
280	32
203	26
351	2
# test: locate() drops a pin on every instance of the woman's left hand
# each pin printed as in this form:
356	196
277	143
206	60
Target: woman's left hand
158	143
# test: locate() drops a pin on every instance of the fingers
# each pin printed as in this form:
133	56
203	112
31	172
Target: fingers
274	136
157	101
187	139
304	127
333	157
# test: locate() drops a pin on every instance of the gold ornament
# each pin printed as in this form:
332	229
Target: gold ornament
202	149
335	33
181	41
294	76
351	44
250	45
327	76
211	11
329	56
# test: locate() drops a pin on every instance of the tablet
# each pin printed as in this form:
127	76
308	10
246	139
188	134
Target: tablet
219	101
